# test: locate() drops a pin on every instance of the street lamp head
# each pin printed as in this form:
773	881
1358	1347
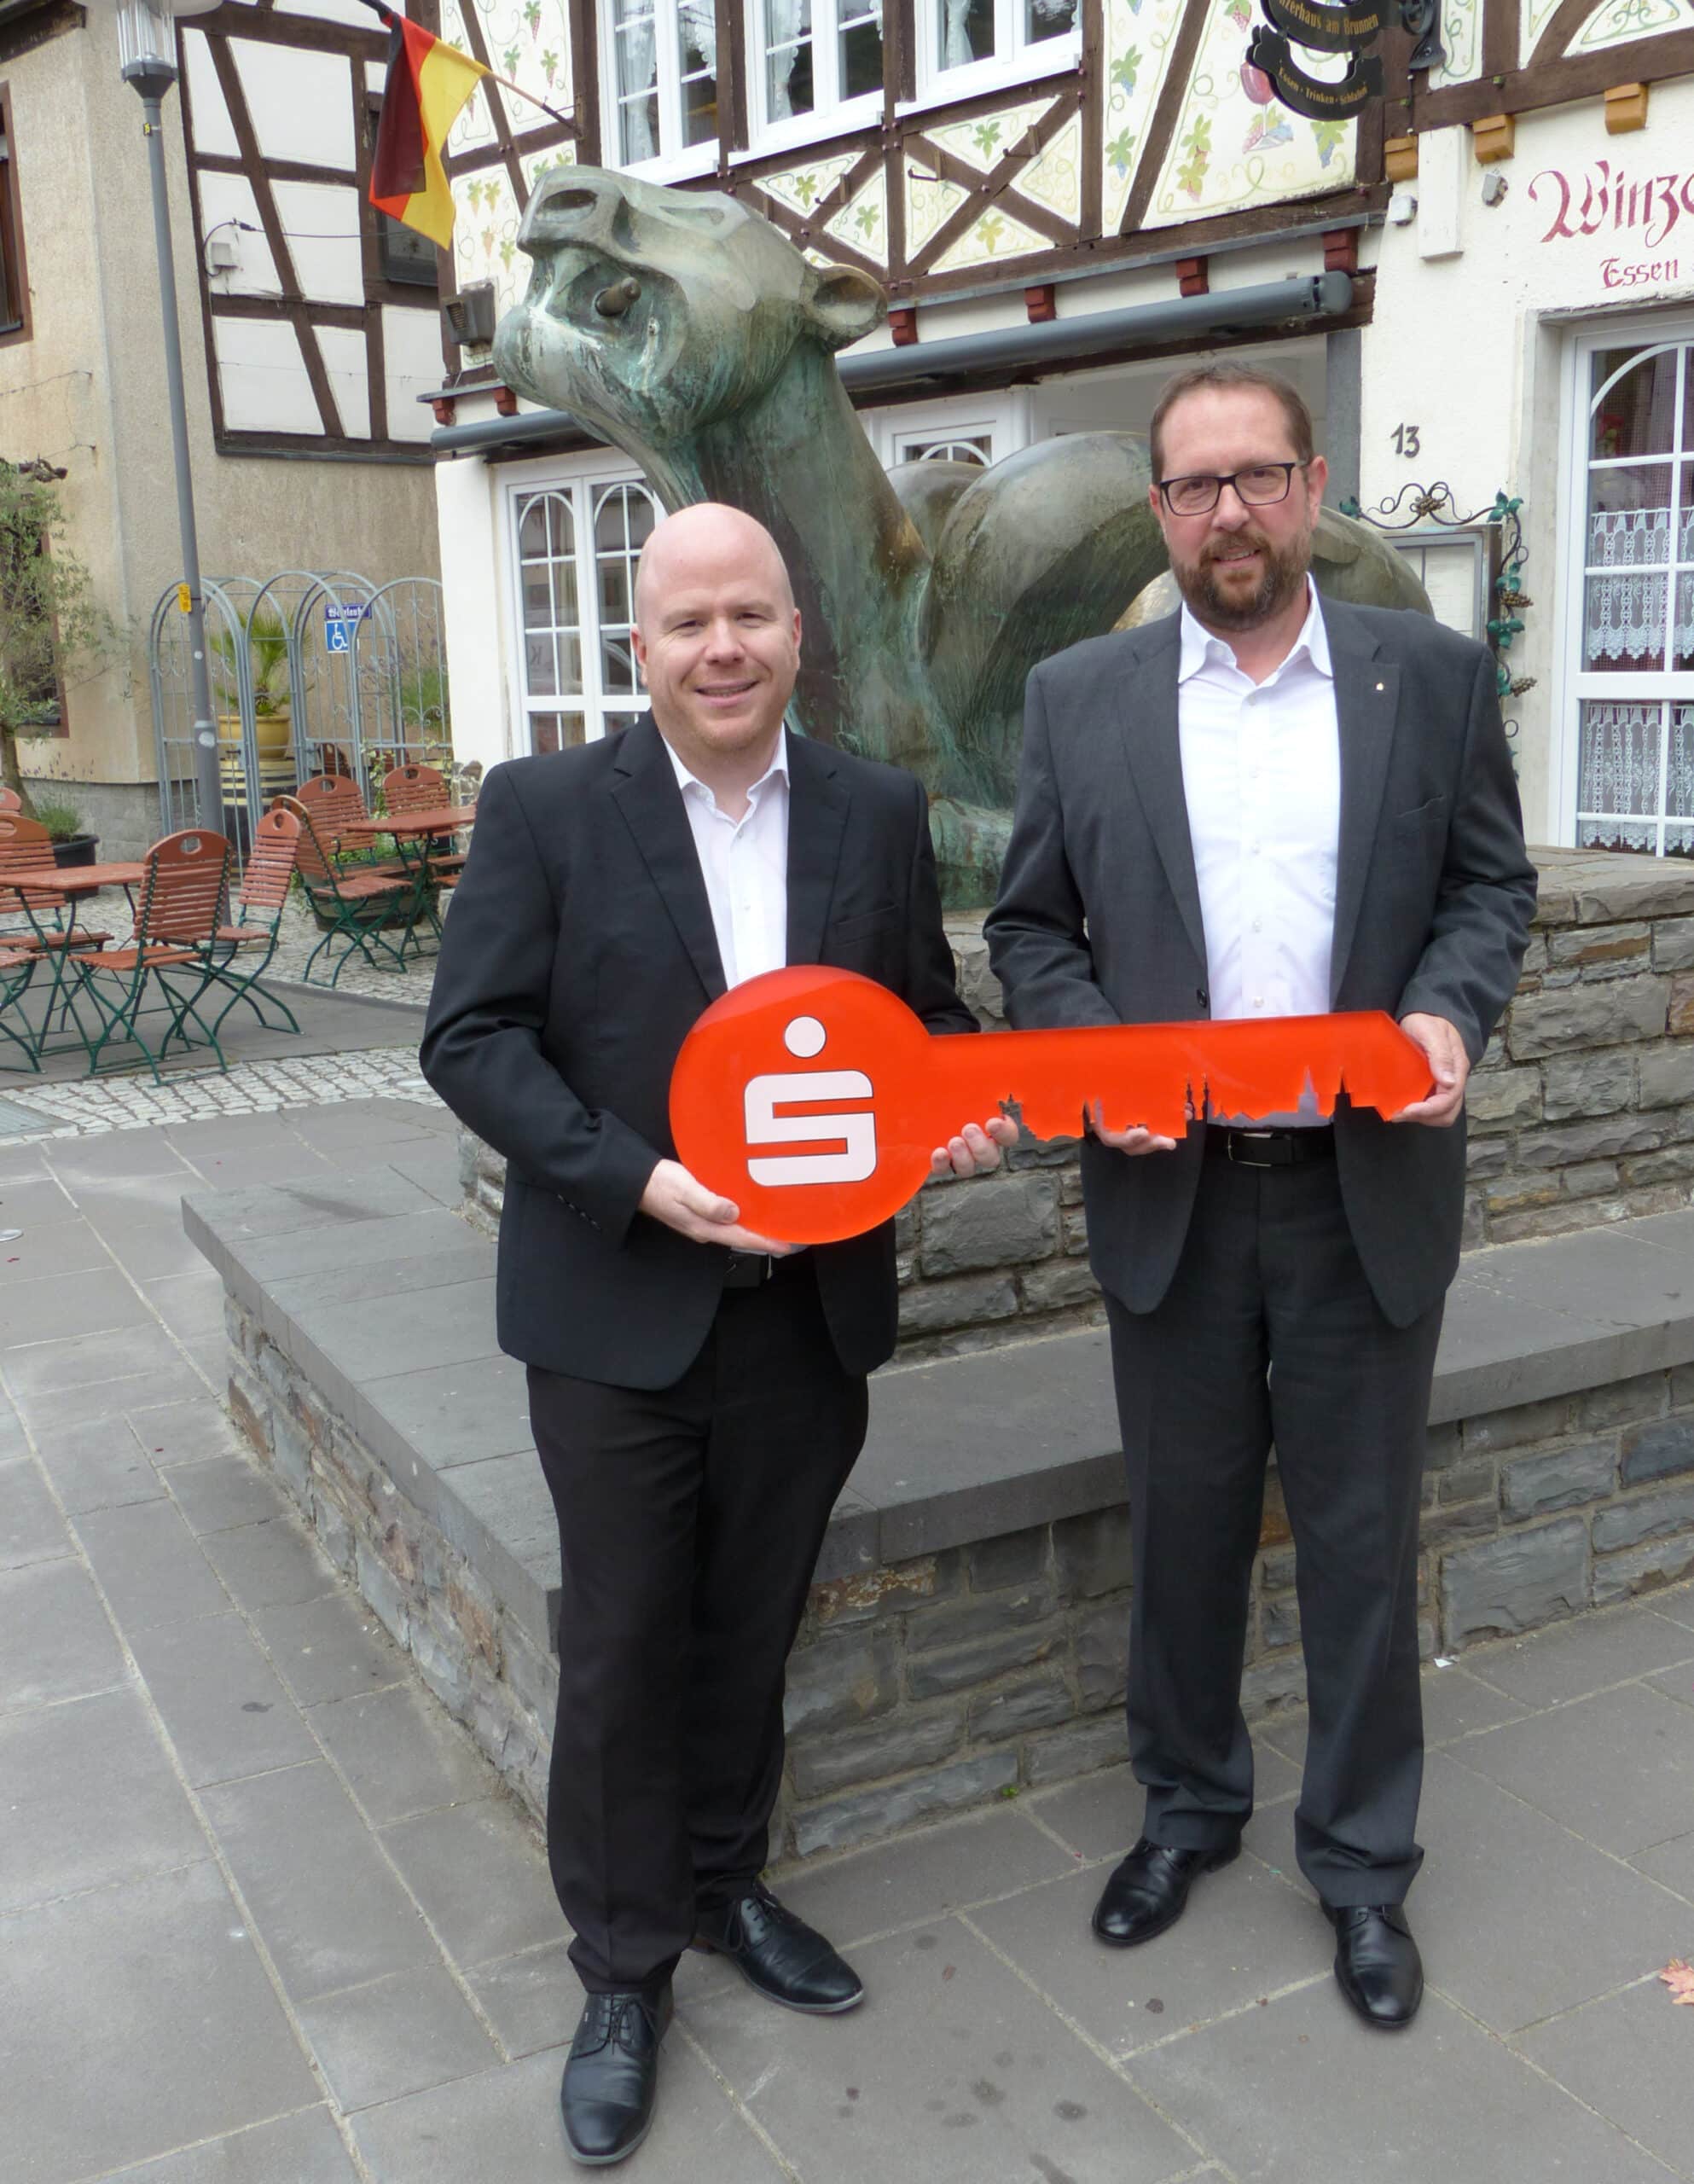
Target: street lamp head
147	39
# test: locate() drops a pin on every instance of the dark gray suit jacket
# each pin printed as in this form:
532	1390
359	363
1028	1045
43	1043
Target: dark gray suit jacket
1099	915
579	950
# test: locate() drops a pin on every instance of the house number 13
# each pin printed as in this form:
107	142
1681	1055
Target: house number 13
1406	440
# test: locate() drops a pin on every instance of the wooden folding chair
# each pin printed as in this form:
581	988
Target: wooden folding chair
26	846
332	804
421	788
10	799
259	906
17	969
182	903
354	904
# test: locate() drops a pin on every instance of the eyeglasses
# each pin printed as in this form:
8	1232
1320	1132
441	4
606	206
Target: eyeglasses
1265	484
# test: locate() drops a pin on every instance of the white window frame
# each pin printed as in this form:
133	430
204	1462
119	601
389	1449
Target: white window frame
674	160
1014	61
1006	422
1570	681
831	114
582	479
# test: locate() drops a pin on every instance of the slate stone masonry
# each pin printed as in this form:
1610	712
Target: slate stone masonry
1580	1114
941	1682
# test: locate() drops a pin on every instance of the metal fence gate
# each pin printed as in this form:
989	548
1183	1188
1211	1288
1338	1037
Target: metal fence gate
312	671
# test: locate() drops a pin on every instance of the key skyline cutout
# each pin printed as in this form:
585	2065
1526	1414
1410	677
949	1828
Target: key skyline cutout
814	1097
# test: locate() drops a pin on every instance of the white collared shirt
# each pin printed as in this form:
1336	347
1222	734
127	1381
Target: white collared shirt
745	864
1261	776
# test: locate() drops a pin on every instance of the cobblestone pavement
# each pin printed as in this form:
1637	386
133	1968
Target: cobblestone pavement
267	1918
300	935
81	1108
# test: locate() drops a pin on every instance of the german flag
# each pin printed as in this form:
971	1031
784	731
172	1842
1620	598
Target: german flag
427	84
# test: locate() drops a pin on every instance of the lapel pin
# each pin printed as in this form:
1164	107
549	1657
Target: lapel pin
1379	686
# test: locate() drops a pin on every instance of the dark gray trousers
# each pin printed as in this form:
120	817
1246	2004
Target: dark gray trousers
1269	1334
690	1519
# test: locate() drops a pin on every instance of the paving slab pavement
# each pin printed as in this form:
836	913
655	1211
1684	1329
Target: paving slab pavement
266	1916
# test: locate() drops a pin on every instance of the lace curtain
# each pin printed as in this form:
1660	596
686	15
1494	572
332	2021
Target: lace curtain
1680	776
1629	538
637	77
782	24
1619	764
1626	620
1625	612
956	49
785	22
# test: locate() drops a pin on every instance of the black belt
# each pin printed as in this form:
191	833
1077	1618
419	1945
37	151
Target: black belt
752	1269
1270	1149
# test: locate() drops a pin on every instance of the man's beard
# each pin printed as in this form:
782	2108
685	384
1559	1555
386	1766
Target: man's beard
1284	573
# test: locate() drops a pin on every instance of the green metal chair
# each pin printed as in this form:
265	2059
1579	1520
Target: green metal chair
354	904
182	900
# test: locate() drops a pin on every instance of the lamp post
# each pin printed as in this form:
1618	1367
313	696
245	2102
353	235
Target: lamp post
146	49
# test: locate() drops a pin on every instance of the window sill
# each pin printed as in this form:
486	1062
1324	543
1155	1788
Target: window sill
812	132
678	166
953	86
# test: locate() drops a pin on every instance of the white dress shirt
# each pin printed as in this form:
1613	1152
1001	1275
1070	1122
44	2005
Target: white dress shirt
745	864
1261	776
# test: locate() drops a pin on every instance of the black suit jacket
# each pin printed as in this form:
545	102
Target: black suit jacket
1099	915
578	952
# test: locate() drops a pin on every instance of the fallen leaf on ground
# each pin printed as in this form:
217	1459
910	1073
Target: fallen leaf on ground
1678	1977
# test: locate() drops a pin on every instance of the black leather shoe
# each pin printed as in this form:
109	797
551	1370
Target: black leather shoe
1149	1891
612	2074
1376	1962
785	1959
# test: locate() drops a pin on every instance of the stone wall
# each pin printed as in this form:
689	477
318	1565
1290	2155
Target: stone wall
1582	1112
942	1682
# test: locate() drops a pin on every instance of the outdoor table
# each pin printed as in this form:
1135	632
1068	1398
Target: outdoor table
409	826
412	833
63	888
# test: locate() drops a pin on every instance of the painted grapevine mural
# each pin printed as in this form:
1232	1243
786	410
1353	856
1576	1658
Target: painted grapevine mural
1235	144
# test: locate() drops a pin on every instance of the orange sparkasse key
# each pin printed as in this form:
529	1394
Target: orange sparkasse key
813	1098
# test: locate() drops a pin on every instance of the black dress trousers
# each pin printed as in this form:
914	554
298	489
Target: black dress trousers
690	1519
1269	1333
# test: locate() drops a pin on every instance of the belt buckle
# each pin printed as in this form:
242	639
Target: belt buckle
1235	1134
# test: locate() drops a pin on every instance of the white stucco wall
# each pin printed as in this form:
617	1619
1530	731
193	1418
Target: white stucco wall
1469	347
467	498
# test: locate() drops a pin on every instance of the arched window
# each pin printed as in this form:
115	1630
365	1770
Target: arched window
576	545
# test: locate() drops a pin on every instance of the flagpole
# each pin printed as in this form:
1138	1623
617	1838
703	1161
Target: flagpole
381	8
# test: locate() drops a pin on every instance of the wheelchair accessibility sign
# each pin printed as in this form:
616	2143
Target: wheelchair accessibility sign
338	624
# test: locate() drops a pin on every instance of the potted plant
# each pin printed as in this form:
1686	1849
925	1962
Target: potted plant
64	824
50	624
267	648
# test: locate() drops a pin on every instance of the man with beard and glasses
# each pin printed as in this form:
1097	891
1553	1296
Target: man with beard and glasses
1269	806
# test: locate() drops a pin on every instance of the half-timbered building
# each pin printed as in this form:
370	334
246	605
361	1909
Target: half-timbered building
311	328
1502	231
